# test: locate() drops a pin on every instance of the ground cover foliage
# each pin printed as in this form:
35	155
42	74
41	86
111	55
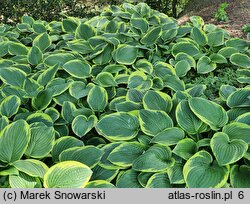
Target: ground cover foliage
125	99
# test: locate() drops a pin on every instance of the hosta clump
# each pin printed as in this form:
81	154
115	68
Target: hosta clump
113	101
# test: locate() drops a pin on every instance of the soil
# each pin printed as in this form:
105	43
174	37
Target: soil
238	13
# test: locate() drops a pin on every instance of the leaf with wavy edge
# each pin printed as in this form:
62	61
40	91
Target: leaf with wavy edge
201	171
227	151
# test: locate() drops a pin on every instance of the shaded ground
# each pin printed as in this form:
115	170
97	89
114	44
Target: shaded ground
238	12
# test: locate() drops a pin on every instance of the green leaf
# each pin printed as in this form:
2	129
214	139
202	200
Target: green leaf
69	25
156	100
187	120
153	122
159	180
218	58
9	106
239	98
105	56
114	68
134	95
47	75
78	89
58	86
13	76
168	35
185	47
99	184
144	66
80	46
27	19
32	88
174	83
81	125
215	38
65	96
205	65
24	181
161	155
240	60
139	80
236	112
183	56
205	142
200	171
41	141
105	79
39	28
225	91
244	118
128	179
14	140
97	98
209	112
61	130
151	37
127	106
4	121
67	174
126	153
31	167
77	68
227	51
64	143
199	36
162	69
10	171
238	176
100	173
125	54
118	126
237	43
60	59
197	21
169	136
68	109
42	100
227	151
42	41
185	148
105	163
182	67
18	49
4	48
111	27
237	130
140	24
35	56
88	155
196	90
175	173
84	31
143	178
40	117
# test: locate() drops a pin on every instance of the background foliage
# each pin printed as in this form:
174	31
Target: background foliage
48	9
13	10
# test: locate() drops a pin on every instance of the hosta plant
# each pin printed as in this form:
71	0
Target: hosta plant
127	99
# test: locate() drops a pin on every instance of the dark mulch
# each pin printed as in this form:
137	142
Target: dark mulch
238	12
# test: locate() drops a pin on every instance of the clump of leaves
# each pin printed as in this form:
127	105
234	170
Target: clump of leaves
120	100
214	80
246	28
220	14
